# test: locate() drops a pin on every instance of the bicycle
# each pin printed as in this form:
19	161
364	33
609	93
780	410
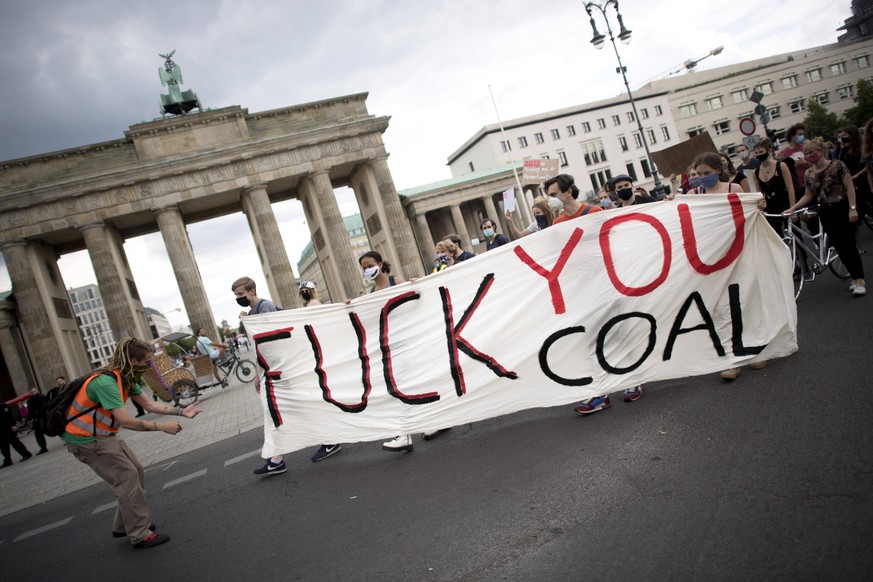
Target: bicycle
232	363
806	248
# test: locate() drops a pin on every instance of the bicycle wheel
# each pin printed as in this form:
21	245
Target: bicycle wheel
798	274
245	371
837	267
185	392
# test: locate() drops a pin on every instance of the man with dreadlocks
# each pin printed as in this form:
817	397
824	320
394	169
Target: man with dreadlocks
91	436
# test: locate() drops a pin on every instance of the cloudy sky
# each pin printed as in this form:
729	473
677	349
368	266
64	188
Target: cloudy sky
80	72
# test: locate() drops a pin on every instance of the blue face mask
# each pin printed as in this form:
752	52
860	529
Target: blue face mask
488	232
541	221
798	139
709	181
694	181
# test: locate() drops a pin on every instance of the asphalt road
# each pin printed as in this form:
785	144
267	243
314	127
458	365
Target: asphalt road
769	477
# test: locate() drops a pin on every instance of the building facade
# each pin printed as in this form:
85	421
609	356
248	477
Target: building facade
158	323
93	323
310	269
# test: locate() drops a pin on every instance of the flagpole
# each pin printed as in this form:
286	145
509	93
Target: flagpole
509	150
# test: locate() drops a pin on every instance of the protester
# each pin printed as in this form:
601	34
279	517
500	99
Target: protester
207	347
563	187
711	177
309	295
8	437
462	254
91	437
543	219
865	205
775	181
849	151
492	238
246	292
734	176
446	255
36	415
748	162
793	152
830	182
60	382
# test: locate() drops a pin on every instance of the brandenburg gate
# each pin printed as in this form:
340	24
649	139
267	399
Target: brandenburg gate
171	171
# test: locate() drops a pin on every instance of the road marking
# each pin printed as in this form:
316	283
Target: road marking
175	482
43	529
112	505
242	457
165	466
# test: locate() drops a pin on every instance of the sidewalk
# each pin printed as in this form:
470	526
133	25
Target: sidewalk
226	413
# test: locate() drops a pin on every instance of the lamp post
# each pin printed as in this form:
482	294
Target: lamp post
624	35
691	63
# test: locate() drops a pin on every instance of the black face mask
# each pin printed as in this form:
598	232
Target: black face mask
762	157
542	222
305	294
625	194
243	301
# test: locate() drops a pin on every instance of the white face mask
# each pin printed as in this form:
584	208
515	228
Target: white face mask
744	155
371	273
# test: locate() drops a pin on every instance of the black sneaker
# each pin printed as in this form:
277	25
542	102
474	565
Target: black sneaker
6	463
324	451
42	450
152	541
271	468
25	457
122	534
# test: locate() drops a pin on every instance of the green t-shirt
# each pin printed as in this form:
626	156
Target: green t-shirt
102	390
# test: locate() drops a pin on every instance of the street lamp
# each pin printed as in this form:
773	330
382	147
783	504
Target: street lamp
690	64
624	35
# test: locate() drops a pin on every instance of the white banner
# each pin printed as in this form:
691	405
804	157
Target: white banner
586	307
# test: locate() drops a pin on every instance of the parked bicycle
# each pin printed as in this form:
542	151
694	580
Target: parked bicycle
811	254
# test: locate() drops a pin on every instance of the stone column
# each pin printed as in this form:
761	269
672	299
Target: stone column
348	272
120	297
271	250
491	210
460	225
398	224
185	267
425	240
523	207
19	368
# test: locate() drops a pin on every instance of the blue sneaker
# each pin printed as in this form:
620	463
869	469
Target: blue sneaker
324	451
271	468
595	404
633	394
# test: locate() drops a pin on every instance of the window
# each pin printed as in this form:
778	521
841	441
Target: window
472	169
658	110
644	113
593	152
644	164
630	117
722	127
715	102
651	134
631	171
599	179
740	95
730	150
601	123
538	137
555	134
797	106
586	127
571	130
665	133
637	140
789	82
545	157
616	120
504	145
688	109
622	141
813	75
775	112
838	68
862	61
845	92
823	98
563	157
695	131
522	142
766	87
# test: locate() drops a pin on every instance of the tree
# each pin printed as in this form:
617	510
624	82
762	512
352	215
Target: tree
821	122
863	109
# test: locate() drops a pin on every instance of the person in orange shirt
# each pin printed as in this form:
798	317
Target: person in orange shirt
563	187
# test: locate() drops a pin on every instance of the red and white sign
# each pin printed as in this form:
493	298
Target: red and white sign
747	126
538	171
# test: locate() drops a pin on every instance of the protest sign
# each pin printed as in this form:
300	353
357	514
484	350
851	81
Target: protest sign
586	307
538	171
676	159
509	200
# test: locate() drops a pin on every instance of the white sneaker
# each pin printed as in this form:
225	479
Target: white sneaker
859	291
730	374
398	443
852	286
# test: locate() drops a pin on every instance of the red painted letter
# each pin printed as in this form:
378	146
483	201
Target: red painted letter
691	241
552	276
606	249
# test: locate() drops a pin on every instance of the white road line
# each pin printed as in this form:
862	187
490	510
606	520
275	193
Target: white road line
43	529
112	505
242	457
175	482
164	465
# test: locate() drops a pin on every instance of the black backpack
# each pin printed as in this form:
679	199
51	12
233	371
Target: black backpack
55	420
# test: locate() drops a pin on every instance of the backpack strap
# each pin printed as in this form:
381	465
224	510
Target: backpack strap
587	210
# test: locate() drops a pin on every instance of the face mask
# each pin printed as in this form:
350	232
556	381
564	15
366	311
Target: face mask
371	273
744	156
541	221
798	139
709	181
724	165
488	232
842	140
305	294
625	193
442	259
136	372
243	301
762	157
556	205
694	181
813	157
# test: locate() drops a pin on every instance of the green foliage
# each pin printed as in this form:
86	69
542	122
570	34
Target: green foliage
863	109
821	122
173	350
242	328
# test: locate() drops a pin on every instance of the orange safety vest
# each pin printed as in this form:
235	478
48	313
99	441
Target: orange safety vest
96	421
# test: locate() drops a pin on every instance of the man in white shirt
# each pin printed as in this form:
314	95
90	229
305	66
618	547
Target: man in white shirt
207	348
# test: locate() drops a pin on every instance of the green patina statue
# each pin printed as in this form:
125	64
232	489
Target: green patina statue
178	102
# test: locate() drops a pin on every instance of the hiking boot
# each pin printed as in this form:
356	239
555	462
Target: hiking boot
122	534
398	443
151	541
595	404
324	451
271	468
432	434
730	374
632	394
